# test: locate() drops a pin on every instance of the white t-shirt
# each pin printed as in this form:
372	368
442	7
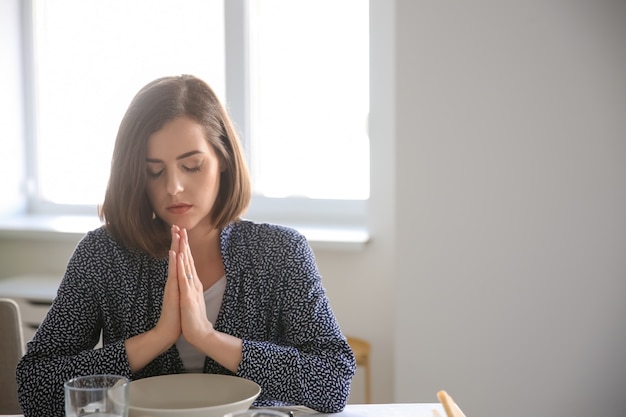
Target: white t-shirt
193	359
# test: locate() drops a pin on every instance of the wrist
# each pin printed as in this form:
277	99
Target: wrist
163	339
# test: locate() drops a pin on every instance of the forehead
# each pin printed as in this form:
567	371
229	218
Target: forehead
177	136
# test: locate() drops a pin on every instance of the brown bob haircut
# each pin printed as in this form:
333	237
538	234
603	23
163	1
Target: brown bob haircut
126	210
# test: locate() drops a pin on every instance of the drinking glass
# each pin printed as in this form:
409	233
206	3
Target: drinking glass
97	396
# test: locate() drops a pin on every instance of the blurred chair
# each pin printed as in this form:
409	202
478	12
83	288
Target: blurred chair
11	350
361	349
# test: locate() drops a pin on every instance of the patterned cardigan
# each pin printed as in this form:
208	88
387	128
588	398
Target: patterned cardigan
274	300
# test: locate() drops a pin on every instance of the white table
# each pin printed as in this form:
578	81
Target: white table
365	410
375	410
392	410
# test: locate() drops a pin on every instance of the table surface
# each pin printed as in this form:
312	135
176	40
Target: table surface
368	410
375	410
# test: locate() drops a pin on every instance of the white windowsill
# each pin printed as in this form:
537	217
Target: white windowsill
51	227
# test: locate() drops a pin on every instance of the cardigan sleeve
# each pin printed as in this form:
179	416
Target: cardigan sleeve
62	347
304	359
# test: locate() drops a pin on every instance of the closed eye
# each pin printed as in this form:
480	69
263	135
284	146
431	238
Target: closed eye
154	174
193	165
193	169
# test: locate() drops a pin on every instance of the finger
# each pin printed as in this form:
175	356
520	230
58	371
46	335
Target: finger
187	268
186	249
172	259
171	284
189	256
182	270
171	266
186	276
175	245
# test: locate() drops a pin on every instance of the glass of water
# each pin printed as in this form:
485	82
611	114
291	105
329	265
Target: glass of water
97	396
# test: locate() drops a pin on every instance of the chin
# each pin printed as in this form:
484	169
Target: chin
187	223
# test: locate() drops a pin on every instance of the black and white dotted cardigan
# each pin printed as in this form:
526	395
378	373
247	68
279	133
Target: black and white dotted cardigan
274	300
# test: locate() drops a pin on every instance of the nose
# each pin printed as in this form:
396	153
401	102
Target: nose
174	183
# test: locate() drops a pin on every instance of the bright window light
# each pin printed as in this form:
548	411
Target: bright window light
308	88
309	69
91	57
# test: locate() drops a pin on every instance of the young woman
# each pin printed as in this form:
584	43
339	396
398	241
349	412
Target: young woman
175	280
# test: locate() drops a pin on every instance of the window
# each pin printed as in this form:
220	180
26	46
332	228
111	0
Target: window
90	58
294	75
309	66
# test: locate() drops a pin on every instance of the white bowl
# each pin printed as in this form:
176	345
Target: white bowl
191	395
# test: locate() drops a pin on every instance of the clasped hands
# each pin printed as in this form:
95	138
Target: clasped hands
184	309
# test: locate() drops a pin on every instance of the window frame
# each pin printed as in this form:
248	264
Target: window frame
297	212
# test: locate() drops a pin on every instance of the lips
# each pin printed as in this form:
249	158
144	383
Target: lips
178	208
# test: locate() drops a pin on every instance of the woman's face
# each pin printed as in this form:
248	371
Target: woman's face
183	174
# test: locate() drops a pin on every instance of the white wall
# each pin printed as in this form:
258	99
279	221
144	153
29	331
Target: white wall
511	206
496	268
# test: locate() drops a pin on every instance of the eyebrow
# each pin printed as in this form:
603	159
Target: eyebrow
179	157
